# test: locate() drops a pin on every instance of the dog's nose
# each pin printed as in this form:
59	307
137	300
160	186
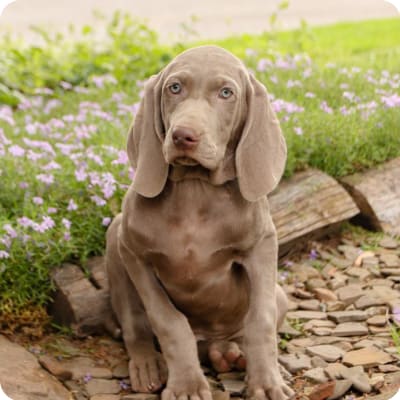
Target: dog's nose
184	138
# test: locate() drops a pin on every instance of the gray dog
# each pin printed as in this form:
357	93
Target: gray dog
193	255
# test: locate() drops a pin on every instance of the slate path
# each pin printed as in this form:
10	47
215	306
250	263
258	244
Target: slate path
335	344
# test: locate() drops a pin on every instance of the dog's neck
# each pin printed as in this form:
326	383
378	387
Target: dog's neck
225	172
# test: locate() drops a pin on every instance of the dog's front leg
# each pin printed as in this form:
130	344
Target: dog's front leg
176	338
260	327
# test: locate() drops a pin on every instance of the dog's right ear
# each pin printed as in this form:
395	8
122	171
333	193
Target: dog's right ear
145	142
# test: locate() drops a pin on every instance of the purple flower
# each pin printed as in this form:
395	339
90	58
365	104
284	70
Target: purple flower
106	221
72	206
324	107
65	85
263	65
47	223
16	151
23	185
283	276
37	200
391	101
10	231
52	210
25	222
4	254
396	314
87	378
51	165
67	223
310	95
298	130
313	254
98	201
34	156
288	263
67	236
48	179
3	138
124	385
80	174
122	158
6	240
38	144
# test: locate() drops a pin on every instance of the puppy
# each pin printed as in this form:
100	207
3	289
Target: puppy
193	255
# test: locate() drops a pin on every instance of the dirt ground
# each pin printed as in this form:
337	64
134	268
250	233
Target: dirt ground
337	341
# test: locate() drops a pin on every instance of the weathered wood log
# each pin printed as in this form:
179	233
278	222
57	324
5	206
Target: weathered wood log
80	304
377	194
308	206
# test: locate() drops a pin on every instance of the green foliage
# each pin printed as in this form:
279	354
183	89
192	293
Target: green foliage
130	51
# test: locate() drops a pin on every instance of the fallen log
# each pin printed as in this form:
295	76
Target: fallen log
308	206
81	305
377	194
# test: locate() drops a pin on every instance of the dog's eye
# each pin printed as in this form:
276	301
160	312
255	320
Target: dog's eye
175	88
225	93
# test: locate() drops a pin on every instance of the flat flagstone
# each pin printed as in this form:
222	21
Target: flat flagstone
306	315
350	329
23	378
326	352
367	357
347	316
102	386
295	362
350	293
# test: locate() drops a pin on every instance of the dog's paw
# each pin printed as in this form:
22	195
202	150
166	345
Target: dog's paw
148	372
271	387
187	387
226	355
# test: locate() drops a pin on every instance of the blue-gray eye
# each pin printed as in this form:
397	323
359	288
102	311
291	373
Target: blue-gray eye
175	88
225	93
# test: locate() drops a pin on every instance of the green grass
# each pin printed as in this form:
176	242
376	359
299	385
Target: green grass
371	44
328	86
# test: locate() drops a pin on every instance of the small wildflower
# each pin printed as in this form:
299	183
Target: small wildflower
98	201
396	314
324	107
16	151
298	130
106	221
72	206
10	231
124	385
313	254
37	200
3	254
48	179
66	222
25	222
88	377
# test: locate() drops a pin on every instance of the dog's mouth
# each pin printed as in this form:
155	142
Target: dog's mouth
185	161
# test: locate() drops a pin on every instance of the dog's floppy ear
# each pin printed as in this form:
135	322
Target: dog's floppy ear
261	152
145	142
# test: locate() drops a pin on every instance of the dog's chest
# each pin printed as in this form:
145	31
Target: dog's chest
196	224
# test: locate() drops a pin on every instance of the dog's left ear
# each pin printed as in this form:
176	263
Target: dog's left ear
261	152
145	142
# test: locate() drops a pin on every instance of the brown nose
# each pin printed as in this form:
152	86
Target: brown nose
184	138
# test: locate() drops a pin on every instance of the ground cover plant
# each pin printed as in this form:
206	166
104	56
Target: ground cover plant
65	109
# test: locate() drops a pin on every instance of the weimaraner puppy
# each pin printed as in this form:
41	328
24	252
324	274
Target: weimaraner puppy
193	255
